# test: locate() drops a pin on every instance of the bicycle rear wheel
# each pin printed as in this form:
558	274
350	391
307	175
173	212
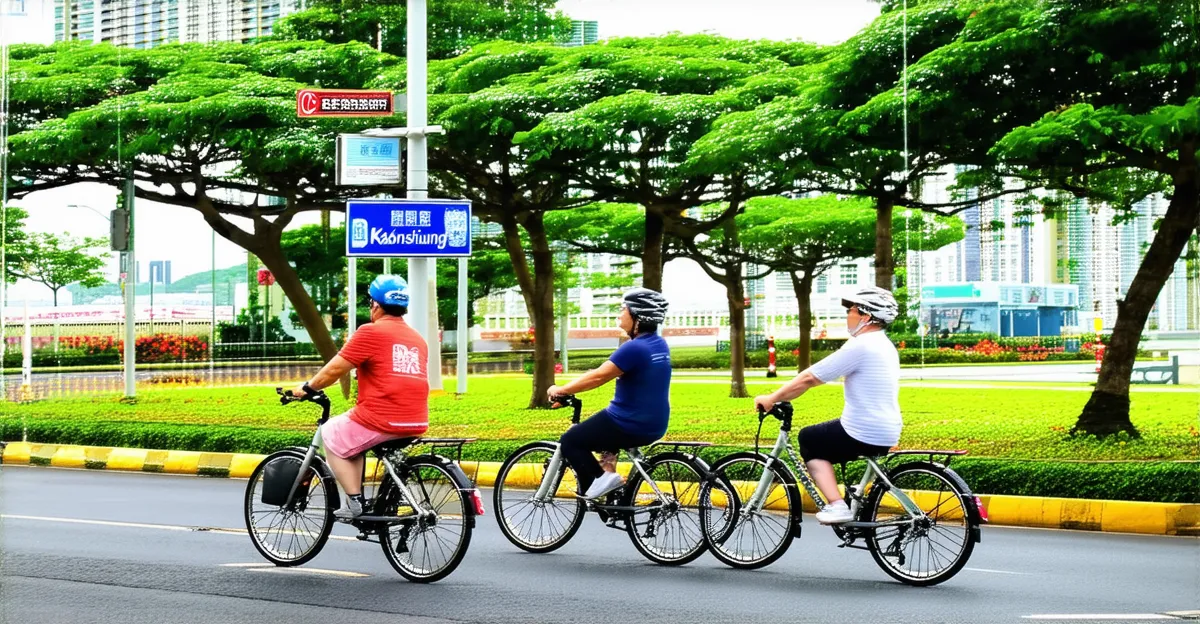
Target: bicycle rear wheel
930	550
666	532
293	534
425	549
532	525
737	535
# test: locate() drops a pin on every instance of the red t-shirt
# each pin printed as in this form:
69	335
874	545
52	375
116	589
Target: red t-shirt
393	381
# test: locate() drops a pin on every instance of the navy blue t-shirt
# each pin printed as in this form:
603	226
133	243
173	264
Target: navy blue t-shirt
641	405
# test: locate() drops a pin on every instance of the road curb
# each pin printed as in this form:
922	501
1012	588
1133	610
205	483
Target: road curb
1024	511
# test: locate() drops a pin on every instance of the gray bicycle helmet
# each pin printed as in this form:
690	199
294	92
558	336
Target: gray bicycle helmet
876	301
646	306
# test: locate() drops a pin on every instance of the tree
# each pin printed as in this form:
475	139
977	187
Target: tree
15	241
454	26
632	147
212	128
805	237
55	261
843	132
1121	121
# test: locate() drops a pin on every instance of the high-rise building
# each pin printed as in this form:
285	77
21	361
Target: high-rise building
148	23
583	33
25	21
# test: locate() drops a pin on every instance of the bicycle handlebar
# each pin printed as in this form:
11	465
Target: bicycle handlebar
568	400
316	396
782	411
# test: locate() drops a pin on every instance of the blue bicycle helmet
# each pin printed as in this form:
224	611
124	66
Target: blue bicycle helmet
389	290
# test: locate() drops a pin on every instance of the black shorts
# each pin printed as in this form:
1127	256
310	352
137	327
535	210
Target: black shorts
830	442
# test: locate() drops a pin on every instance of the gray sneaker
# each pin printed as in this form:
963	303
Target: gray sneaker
349	510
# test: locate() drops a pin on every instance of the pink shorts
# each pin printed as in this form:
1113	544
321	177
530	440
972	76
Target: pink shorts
346	439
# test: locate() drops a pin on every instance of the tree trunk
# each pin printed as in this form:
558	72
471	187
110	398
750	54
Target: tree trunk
652	251
271	255
55	291
541	310
1107	411
537	288
885	264
735	295
802	286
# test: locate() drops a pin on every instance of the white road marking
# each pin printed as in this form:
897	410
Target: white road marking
998	571
1099	616
140	525
317	571
245	565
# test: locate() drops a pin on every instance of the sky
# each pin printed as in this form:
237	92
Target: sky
182	236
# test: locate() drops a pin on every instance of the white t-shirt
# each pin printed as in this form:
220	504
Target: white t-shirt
871	366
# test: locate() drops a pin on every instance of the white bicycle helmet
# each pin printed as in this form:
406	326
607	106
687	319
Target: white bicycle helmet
646	306
876	301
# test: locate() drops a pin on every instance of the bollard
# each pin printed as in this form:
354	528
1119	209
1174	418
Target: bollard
771	370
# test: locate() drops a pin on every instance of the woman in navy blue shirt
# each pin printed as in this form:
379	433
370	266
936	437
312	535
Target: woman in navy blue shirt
640	409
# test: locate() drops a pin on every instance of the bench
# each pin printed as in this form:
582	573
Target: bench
1165	374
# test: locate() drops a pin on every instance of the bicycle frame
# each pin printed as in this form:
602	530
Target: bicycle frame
314	448
874	475
555	470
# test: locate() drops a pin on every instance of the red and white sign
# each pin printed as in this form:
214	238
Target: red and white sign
344	103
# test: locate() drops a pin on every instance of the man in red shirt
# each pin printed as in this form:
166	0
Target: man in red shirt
393	389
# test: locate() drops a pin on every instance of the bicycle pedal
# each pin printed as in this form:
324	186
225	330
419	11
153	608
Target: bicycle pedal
362	537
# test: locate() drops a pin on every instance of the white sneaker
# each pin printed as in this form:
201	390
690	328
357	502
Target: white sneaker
603	484
835	513
349	510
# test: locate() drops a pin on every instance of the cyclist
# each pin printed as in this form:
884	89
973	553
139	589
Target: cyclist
393	389
870	423
640	409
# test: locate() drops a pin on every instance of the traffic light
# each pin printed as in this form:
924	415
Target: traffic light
118	234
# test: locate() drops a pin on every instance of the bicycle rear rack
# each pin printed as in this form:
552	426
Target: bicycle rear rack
455	445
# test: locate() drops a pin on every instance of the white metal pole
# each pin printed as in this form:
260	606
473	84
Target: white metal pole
462	326
351	296
27	354
417	176
130	298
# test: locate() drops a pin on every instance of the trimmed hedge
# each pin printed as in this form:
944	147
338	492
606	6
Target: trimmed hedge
1154	481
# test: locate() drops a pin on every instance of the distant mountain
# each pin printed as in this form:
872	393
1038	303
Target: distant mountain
196	282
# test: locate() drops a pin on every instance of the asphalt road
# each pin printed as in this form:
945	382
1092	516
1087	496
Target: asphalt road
80	546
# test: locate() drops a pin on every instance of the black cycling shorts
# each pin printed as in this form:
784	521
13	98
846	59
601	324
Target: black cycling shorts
830	442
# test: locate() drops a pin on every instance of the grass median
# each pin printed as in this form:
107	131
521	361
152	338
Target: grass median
1010	425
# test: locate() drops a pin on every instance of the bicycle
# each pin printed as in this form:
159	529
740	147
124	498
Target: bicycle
752	509
538	510
422	512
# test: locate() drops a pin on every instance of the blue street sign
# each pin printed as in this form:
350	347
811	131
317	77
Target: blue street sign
437	228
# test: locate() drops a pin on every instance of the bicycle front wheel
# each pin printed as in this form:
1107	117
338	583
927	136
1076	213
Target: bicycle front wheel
927	551
738	534
666	530
537	526
293	534
433	540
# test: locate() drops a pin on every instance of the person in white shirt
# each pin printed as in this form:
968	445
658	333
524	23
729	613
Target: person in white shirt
870	422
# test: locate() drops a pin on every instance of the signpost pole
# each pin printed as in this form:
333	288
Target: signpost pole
130	298
417	179
462	326
351	296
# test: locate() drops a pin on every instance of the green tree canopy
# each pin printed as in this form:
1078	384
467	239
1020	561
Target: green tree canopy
454	26
55	261
805	237
1118	83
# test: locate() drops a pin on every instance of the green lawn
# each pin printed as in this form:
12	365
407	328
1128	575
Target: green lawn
1001	422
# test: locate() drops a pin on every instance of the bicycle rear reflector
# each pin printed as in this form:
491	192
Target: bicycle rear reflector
982	510
478	501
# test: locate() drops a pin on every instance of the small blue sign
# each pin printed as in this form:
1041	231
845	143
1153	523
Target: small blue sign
433	228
